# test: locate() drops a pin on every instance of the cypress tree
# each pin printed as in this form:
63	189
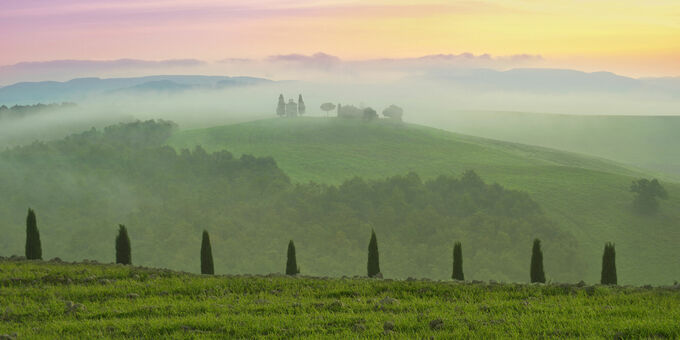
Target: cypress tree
207	266
291	264
123	250
33	246
609	265
458	262
537	274
373	256
301	105
281	107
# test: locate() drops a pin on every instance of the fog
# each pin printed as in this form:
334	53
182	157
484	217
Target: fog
428	102
433	90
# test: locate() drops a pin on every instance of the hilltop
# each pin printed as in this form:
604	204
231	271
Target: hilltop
587	196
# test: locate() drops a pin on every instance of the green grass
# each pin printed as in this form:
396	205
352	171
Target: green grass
649	142
586	196
43	300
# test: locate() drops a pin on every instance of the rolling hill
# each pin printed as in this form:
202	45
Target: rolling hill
85	185
648	142
586	196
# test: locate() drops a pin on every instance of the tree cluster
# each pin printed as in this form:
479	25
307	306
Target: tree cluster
367	114
21	111
646	194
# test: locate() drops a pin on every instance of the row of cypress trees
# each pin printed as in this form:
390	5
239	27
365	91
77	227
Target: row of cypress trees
607	277
124	255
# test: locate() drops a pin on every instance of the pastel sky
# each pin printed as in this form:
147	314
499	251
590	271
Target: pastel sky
630	37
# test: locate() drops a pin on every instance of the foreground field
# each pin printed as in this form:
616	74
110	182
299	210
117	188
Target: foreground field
50	300
588	197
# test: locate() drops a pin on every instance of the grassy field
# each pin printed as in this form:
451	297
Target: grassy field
587	196
649	142
51	300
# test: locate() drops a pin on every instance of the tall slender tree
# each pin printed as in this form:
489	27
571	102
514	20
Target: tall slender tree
207	266
609	265
291	264
123	249
537	274
33	246
373	256
301	105
281	107
458	262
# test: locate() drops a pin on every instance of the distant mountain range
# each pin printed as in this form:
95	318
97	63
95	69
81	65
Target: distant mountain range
537	81
551	81
76	89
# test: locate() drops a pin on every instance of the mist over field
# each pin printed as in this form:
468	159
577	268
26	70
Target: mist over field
429	98
625	120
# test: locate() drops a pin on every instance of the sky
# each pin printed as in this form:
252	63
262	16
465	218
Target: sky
628	37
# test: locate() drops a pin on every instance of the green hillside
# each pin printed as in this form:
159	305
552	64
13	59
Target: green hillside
586	196
649	142
55	300
83	186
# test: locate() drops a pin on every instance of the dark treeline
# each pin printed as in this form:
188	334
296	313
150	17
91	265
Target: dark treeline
87	182
20	111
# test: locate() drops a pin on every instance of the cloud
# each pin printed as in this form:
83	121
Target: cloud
462	60
320	63
102	64
297	66
328	67
485	56
319	60
235	60
326	61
